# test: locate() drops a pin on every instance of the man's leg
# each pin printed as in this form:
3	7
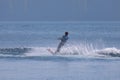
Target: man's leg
59	47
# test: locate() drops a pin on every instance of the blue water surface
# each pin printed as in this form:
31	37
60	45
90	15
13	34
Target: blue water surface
91	53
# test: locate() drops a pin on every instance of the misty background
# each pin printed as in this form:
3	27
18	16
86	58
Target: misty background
59	10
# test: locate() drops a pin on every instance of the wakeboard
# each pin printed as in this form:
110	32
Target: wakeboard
51	51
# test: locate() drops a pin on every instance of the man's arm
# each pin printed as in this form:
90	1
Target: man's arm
59	38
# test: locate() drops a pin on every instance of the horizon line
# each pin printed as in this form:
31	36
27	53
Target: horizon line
60	21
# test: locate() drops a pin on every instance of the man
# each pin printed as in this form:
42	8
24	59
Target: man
63	39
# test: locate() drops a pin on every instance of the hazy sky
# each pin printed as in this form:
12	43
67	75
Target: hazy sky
59	10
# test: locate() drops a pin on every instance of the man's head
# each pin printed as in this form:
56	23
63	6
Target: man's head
66	33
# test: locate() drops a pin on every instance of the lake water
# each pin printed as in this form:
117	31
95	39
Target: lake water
91	53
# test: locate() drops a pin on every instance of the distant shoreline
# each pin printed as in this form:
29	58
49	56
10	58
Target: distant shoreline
59	21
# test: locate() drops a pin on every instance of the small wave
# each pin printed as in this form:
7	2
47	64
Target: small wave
113	52
59	58
14	51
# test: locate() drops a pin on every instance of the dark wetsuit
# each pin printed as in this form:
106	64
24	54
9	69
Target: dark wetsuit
63	41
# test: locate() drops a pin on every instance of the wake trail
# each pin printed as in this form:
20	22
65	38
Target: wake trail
74	50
